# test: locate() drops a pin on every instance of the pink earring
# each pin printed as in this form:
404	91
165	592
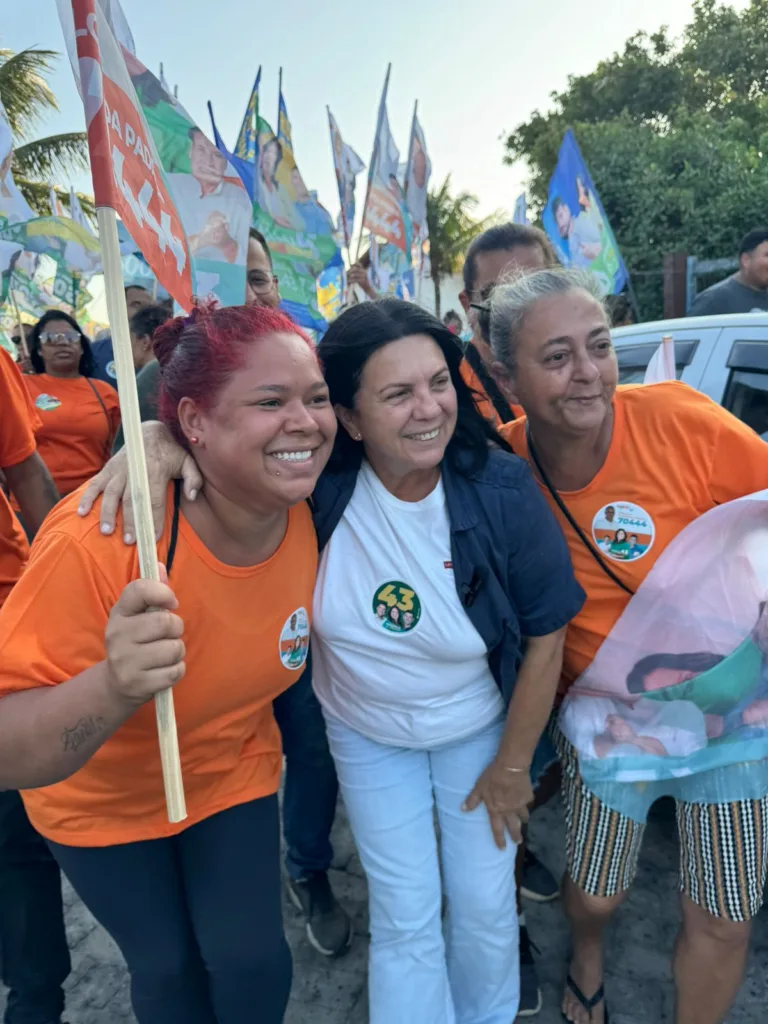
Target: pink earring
195	440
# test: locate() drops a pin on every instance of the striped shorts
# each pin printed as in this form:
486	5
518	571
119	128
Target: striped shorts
723	847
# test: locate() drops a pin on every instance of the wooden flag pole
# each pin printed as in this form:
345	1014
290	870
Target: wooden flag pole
137	469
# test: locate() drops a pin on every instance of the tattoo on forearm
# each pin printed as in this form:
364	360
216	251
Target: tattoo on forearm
81	732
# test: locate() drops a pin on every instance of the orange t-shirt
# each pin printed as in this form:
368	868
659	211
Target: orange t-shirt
77	431
482	401
17	442
246	635
674	455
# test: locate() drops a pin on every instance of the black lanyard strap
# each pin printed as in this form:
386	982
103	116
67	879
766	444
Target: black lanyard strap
567	513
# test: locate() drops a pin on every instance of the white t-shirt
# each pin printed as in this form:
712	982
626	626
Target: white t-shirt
395	655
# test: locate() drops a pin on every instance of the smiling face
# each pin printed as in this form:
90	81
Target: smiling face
208	165
405	407
268	435
60	349
565	371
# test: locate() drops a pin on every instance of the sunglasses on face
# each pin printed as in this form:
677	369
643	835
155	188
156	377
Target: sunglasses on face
60	338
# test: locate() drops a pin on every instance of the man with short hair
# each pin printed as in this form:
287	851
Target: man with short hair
498	253
34	957
746	291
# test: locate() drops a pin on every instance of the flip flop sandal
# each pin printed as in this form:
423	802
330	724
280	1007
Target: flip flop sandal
588	1004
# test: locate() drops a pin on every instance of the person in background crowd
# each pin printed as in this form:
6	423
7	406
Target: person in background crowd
311	787
143	326
194	907
20	338
492	256
34	957
78	416
746	291
588	444
136	298
358	275
416	674
453	322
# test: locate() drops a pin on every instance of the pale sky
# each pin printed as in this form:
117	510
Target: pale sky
477	68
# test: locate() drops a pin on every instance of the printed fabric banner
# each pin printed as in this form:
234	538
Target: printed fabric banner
417	175
679	688
347	165
213	203
127	174
384	213
576	224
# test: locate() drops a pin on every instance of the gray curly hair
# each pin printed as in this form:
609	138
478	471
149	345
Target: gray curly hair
511	302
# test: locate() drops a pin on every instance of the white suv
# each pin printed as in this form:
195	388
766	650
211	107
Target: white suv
726	357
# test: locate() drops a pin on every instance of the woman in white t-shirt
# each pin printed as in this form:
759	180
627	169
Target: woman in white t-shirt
437	558
443	593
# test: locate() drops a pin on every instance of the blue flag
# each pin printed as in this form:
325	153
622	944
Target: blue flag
576	224
247	145
245	169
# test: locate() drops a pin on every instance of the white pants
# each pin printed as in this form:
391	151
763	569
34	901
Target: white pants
417	975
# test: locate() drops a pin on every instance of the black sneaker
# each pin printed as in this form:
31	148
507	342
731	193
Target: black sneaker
329	928
538	883
530	993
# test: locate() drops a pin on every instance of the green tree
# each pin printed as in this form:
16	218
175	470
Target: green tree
452	227
675	134
28	100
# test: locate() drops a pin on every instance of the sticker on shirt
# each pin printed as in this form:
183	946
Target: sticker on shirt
397	607
110	370
294	640
47	402
623	532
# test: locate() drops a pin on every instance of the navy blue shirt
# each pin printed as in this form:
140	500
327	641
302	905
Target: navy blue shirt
511	563
104	361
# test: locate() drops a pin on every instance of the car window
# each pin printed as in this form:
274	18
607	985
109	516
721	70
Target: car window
633	359
746	394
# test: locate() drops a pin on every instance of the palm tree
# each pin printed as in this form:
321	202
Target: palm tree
27	99
451	228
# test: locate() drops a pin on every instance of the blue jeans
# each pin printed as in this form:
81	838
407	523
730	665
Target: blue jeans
311	787
417	973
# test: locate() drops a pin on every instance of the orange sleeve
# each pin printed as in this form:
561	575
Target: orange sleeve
53	623
19	418
740	460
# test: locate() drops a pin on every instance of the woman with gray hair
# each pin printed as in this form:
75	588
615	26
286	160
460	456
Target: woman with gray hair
658	457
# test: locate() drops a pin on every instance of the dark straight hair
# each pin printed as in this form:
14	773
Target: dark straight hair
361	331
86	366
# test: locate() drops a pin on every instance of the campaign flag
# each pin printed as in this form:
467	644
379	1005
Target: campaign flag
417	174
126	169
245	169
57	207
347	165
576	224
662	365
283	121
76	211
299	230
385	206
520	215
247	144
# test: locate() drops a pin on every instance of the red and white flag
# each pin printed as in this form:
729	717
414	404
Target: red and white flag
127	173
